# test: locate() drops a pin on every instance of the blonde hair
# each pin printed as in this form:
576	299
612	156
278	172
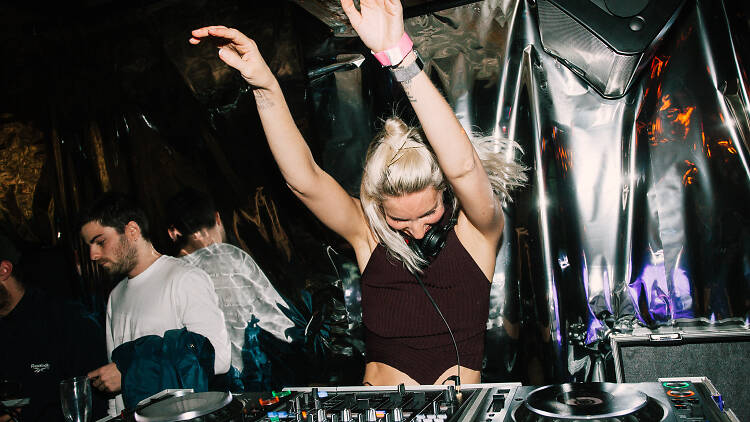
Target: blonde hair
399	162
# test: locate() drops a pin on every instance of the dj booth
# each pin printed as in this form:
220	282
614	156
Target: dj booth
668	399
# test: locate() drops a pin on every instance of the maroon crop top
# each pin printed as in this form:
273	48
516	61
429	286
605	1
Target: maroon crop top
402	328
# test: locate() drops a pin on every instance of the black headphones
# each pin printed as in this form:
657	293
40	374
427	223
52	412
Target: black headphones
433	241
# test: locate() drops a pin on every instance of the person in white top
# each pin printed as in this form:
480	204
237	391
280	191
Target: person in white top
244	291
158	293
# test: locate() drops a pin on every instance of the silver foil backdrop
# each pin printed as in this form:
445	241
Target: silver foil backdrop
636	213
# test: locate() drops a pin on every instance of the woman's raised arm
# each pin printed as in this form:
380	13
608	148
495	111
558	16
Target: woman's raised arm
316	188
379	23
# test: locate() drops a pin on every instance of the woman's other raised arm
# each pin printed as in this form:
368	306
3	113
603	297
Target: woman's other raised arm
316	188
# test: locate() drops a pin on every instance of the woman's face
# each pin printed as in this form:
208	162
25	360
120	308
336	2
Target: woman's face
414	213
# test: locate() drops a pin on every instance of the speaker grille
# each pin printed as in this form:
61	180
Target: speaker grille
610	73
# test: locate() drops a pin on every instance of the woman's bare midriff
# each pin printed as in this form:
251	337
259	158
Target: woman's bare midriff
377	373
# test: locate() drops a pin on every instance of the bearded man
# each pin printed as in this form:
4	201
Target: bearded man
157	293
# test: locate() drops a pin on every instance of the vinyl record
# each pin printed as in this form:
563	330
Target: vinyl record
185	407
581	401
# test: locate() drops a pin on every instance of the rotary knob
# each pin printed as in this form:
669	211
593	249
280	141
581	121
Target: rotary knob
397	414
371	416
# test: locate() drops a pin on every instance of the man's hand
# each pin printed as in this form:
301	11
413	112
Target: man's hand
107	378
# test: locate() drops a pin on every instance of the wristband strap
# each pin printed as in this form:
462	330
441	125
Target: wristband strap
394	55
406	73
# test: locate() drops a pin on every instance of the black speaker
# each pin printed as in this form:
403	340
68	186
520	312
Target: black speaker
722	356
605	41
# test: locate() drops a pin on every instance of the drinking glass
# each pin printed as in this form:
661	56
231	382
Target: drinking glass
75	398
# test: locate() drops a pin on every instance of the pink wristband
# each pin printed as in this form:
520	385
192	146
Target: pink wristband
395	55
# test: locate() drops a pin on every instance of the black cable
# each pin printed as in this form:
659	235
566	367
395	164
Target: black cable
450	332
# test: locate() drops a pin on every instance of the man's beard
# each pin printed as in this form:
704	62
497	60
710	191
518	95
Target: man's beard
125	259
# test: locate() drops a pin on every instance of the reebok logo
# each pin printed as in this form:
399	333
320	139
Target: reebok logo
38	368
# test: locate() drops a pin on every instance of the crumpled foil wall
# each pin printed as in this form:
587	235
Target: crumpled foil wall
636	213
22	157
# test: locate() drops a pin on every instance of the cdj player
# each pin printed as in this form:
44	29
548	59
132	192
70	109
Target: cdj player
669	400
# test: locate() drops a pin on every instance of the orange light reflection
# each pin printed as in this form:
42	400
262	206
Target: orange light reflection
684	119
657	65
665	103
689	177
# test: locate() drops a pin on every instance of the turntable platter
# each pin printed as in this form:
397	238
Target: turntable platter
185	407
585	401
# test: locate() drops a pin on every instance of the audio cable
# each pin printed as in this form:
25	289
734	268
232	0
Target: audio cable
457	378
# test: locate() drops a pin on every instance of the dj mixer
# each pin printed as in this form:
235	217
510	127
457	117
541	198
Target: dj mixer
668	400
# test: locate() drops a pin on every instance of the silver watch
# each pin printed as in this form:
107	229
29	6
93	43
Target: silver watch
403	74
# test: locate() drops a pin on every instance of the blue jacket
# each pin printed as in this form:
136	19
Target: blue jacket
150	364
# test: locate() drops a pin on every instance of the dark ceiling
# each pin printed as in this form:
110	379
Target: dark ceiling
38	38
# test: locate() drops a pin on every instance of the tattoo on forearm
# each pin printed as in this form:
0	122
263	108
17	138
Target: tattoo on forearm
407	87
261	100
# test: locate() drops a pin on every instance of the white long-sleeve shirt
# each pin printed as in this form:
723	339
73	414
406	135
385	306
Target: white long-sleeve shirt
169	294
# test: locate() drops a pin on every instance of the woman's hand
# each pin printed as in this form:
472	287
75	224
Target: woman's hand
239	52
379	23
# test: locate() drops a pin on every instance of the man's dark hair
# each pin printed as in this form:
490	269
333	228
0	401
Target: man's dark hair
116	210
9	251
191	210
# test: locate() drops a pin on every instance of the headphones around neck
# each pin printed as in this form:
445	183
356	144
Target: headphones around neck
433	241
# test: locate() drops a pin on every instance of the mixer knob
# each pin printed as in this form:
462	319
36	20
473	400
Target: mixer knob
450	394
334	417
398	415
321	415
371	416
346	415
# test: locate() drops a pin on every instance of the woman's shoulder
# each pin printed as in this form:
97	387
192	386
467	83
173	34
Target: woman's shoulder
470	233
481	248
366	241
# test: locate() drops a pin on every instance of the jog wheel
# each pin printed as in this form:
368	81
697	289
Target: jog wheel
585	401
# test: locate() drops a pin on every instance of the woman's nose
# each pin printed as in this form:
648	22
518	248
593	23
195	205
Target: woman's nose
418	230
